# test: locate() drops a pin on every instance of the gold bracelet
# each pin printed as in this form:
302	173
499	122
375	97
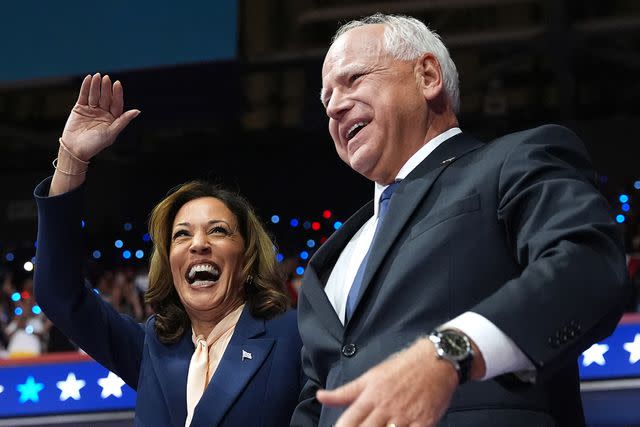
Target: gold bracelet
64	147
55	166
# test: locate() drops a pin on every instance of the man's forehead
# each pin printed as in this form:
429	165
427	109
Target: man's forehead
357	46
365	40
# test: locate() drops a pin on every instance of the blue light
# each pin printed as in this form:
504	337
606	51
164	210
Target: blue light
623	198
275	219
126	254
96	291
127	226
82	223
620	218
337	225
18	311
15	297
9	256
304	255
146	237
294	222
96	254
626	207
139	254
36	310
35	244
306	225
29	329
636	185
311	243
29	390
33	260
300	271
280	257
119	243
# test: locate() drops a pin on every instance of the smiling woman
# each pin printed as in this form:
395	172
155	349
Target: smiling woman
211	254
222	349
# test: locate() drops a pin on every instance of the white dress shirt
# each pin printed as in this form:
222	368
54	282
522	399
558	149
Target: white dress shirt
500	353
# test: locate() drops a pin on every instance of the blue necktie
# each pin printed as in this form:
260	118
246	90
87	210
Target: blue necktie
357	281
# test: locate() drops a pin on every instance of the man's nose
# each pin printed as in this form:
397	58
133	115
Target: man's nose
338	104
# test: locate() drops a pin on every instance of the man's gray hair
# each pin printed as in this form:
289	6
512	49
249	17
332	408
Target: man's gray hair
406	38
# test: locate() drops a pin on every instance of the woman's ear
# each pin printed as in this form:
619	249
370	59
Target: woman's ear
429	76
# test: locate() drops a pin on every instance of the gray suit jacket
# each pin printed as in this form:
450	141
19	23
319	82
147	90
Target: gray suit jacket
514	230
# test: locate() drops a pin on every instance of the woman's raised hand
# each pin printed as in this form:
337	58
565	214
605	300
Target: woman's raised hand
97	118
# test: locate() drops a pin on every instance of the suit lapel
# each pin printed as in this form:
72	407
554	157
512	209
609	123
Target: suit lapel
406	199
243	357
171	365
323	259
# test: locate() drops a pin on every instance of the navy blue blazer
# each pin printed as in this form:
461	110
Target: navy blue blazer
261	391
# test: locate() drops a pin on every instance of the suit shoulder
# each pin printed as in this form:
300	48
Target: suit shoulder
548	135
284	325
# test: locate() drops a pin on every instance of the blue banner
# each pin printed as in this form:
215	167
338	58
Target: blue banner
615	357
61	388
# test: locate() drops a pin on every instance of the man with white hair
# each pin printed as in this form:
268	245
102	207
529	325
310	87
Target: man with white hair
463	294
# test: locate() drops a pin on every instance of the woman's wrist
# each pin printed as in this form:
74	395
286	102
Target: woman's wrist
70	172
68	164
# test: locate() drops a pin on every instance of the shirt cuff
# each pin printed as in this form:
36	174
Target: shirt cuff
501	355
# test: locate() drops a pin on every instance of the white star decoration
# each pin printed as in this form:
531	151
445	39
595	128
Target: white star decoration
595	354
1	389
111	385
70	388
633	348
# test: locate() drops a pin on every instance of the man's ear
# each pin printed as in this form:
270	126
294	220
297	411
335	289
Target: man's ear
429	76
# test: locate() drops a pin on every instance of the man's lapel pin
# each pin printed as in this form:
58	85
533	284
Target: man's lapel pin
448	160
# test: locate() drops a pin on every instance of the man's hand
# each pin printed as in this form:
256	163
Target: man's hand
97	118
412	388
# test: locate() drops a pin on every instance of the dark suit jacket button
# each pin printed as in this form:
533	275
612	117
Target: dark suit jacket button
349	350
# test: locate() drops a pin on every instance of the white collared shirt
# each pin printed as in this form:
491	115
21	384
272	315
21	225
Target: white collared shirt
500	353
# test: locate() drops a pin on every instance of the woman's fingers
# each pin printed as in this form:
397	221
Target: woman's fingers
83	96
94	90
117	100
105	93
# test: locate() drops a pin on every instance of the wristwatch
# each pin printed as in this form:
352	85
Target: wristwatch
455	347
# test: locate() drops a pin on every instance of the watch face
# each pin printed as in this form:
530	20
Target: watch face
454	344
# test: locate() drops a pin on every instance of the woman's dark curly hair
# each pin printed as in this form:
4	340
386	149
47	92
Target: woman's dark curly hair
264	290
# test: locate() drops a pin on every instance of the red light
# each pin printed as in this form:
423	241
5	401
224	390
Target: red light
25	295
326	214
315	225
323	239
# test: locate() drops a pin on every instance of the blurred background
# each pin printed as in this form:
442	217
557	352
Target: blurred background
229	92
